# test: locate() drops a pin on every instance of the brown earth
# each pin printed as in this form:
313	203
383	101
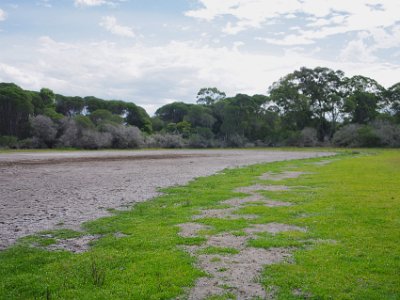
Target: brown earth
48	190
238	273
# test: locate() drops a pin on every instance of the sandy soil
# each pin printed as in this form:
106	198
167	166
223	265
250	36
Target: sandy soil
237	274
47	190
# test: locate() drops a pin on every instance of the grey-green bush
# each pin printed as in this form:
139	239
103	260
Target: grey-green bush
44	131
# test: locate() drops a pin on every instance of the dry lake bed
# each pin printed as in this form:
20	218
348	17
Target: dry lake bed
48	190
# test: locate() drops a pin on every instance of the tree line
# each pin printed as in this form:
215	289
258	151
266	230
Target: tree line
308	107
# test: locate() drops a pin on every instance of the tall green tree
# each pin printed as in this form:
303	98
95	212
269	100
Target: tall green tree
209	96
365	97
394	101
173	112
15	110
69	106
241	115
48	96
316	94
293	107
200	116
137	116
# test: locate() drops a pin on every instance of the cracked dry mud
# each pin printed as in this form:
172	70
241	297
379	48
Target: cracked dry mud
237	274
49	190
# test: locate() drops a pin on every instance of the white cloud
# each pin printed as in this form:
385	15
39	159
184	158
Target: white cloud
44	3
150	75
110	24
288	40
357	51
89	3
385	39
326	17
82	3
3	15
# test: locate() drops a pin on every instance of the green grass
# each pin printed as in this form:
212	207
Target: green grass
351	209
355	204
218	250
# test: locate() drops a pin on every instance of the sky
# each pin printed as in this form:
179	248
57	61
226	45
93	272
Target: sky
153	52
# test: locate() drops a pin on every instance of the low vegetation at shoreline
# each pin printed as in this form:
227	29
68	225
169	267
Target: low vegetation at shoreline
306	108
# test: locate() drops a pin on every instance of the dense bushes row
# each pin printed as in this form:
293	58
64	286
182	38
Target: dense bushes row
69	134
377	134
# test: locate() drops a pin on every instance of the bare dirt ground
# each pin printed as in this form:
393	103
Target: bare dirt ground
237	273
48	190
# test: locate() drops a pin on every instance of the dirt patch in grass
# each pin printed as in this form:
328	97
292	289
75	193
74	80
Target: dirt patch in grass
259	187
76	245
255	199
236	274
224	213
191	229
273	228
281	176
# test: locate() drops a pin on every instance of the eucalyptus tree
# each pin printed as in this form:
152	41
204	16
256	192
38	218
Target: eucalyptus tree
394	101
293	107
209	96
365	98
309	97
242	116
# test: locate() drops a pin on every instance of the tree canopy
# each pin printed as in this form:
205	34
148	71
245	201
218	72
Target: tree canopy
310	106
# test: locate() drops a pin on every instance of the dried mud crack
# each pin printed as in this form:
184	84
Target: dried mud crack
39	191
233	267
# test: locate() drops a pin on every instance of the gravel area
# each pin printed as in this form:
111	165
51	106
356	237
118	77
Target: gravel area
47	190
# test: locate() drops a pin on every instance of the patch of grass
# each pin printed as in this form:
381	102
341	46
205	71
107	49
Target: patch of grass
218	250
62	233
222	225
355	208
215	259
227	296
239	233
282	239
37	240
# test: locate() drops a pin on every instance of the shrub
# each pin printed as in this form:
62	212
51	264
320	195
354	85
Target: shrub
236	140
124	136
92	139
199	141
347	136
367	137
379	133
166	140
308	137
7	141
44	130
389	134
69	135
28	143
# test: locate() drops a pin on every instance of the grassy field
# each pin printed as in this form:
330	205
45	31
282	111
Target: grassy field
350	207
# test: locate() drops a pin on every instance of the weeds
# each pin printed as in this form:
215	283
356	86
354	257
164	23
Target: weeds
98	274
